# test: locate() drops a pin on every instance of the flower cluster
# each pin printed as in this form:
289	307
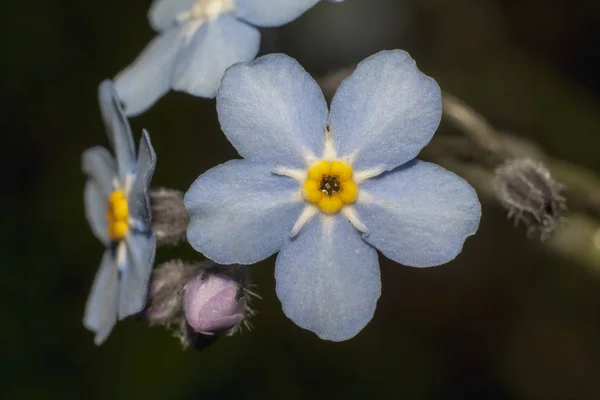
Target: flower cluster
324	187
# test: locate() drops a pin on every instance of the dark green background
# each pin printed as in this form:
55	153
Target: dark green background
505	320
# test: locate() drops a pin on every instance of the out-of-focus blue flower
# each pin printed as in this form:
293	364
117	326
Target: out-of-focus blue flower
198	40
117	208
326	189
214	303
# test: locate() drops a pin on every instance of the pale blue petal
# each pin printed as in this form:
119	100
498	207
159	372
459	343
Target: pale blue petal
216	46
100	166
272	12
101	307
149	77
139	197
117	128
240	212
385	112
328	278
96	204
135	274
273	111
419	214
163	13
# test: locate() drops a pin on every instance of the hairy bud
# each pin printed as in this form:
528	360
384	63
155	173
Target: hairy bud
167	285
199	301
169	216
527	189
214	303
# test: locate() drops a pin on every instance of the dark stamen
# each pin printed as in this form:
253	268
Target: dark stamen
330	185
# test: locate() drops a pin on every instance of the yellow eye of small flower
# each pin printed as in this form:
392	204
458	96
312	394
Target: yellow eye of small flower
330	186
117	216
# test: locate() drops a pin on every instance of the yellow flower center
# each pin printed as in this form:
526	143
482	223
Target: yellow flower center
117	215
330	186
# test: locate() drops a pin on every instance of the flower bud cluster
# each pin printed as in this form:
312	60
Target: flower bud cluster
200	301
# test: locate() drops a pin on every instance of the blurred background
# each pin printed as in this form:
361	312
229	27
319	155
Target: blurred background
508	319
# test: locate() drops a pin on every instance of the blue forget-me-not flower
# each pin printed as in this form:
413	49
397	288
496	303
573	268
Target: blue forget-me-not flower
117	208
326	189
198	40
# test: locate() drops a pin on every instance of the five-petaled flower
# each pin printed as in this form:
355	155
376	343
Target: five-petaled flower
198	40
117	208
326	189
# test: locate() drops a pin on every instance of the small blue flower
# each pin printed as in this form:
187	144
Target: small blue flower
326	189
117	208
198	40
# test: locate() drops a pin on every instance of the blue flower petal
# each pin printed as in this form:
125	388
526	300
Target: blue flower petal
240	212
96	204
419	214
135	274
385	112
149	77
273	111
101	307
118	130
100	166
139	197
215	47
163	13
328	278
269	13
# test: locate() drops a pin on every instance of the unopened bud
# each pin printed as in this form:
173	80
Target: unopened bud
214	303
530	193
199	301
165	296
169	217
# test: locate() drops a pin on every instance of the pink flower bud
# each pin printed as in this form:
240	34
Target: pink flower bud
212	303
